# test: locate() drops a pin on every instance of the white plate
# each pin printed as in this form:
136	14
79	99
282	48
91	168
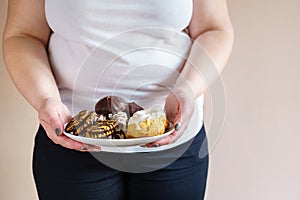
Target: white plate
119	142
194	126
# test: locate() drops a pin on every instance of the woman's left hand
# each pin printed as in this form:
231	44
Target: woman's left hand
179	109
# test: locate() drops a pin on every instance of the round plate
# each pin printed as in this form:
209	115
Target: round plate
119	142
136	145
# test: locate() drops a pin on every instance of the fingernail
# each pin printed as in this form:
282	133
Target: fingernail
84	149
177	126
58	131
156	145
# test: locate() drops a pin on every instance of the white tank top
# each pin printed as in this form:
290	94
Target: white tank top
130	48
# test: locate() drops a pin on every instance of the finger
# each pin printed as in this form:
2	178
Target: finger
167	140
50	129
171	107
181	123
90	148
51	120
173	137
66	116
67	142
56	125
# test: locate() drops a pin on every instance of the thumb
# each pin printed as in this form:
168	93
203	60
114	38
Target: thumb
64	114
184	113
51	120
56	122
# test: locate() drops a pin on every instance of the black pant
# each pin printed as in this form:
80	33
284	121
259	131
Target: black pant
65	174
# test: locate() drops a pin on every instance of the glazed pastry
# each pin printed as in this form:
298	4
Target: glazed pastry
76	120
90	118
99	129
147	123
92	125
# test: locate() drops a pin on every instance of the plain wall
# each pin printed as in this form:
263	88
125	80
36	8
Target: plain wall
257	154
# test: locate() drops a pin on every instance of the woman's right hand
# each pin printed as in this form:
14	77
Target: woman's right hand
53	114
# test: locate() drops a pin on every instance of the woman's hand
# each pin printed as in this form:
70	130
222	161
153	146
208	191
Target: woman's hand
179	108
53	115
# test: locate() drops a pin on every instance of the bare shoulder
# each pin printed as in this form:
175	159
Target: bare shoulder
27	18
209	15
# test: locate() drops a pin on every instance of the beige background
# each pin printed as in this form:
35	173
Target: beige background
257	155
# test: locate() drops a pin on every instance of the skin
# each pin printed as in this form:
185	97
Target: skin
25	40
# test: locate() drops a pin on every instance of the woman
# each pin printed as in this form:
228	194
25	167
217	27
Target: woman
51	49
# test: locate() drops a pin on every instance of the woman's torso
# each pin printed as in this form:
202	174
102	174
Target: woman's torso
131	48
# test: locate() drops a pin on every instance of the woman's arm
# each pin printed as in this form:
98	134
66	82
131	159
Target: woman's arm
24	46
212	34
25	40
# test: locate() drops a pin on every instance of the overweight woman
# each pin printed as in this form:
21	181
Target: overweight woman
65	55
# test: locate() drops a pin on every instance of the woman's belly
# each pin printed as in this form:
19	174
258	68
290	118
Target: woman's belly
140	65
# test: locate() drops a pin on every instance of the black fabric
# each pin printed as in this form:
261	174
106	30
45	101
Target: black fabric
60	173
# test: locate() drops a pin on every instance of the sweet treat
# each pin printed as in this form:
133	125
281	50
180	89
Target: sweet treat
121	120
91	125
147	123
111	105
133	108
110	120
99	129
114	104
76	120
90	118
119	135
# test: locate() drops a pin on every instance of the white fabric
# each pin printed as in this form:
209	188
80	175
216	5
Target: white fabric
130	48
